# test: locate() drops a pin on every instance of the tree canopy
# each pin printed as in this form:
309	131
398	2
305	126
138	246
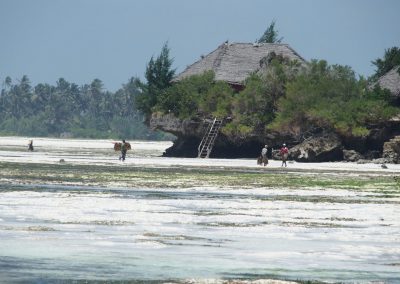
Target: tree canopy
67	109
270	35
159	74
88	110
330	97
390	59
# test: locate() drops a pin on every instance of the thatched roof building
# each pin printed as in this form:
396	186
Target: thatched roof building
391	81
234	62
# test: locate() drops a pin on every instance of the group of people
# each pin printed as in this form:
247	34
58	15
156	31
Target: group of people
262	160
283	152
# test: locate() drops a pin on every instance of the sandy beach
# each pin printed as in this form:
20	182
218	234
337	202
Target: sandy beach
148	154
70	210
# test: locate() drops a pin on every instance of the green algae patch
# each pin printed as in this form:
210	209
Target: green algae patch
184	177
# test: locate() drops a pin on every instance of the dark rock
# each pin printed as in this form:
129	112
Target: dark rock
363	161
391	150
225	148
190	132
188	147
381	161
351	155
378	136
178	127
370	146
318	149
183	147
317	146
372	154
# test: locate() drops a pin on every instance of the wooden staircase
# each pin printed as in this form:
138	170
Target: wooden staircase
208	140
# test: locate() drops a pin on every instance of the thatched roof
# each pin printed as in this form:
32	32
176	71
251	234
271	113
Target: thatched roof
234	62
391	81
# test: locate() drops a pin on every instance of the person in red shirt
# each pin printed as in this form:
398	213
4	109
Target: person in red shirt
284	154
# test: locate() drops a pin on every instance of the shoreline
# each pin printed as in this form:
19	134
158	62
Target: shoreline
149	154
218	164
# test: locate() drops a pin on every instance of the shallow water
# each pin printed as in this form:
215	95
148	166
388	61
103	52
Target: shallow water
56	230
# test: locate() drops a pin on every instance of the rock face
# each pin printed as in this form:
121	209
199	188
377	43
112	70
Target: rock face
352	156
188	132
318	149
391	150
322	146
178	127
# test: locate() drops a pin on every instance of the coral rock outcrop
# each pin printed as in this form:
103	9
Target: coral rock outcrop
391	150
318	149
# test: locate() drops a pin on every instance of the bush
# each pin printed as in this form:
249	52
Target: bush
217	101
197	95
330	97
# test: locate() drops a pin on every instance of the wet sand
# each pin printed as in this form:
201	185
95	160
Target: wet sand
155	219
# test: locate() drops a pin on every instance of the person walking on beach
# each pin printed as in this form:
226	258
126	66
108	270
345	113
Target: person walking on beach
264	155
124	149
284	152
30	145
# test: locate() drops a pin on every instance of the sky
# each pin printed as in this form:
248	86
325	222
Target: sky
113	40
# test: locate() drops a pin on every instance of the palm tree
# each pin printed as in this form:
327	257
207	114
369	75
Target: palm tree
270	35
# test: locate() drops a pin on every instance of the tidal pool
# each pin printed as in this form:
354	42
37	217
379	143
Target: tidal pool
93	218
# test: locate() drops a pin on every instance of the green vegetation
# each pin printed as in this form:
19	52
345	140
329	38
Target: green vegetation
256	105
67	109
284	96
87	111
270	35
330	97
390	59
186	177
196	95
158	76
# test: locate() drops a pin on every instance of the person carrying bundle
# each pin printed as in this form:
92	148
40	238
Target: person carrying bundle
123	147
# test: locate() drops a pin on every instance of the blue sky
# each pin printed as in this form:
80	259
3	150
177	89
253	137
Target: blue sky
113	40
